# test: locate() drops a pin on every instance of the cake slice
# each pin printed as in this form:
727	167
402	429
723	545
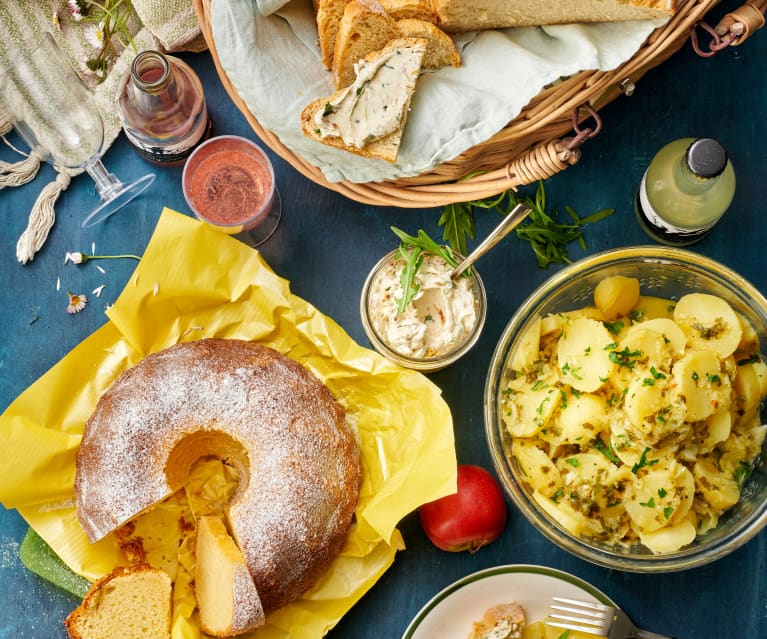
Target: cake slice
368	117
226	595
440	52
130	603
365	27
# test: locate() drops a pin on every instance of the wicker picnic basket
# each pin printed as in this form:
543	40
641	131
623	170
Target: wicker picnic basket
544	138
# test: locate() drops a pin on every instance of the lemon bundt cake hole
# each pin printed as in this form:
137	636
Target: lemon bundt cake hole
201	444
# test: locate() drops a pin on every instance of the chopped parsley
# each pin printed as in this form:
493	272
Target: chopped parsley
643	461
625	358
614	327
607	450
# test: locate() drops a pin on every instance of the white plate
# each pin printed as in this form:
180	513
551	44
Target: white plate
451	612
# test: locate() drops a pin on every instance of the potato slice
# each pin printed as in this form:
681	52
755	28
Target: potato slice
709	322
700	381
582	355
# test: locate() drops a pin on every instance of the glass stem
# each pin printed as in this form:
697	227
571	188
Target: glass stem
106	182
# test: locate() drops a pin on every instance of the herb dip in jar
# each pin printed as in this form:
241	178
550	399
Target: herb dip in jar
438	319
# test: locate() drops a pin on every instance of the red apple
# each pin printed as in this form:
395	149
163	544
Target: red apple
468	519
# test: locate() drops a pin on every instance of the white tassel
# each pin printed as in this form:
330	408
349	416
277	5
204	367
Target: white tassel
18	173
6	124
41	219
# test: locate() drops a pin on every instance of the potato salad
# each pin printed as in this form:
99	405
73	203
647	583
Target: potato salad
637	419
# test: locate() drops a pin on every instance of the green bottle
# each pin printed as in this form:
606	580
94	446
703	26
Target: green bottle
687	187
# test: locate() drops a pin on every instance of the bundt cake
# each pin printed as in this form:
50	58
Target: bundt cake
297	458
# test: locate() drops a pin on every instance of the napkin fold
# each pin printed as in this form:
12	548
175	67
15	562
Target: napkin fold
194	282
272	58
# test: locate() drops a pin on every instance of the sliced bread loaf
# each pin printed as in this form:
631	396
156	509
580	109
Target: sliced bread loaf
470	15
368	117
226	595
329	14
365	27
440	52
418	9
130	603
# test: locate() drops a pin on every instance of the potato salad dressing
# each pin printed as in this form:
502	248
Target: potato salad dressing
373	106
440	317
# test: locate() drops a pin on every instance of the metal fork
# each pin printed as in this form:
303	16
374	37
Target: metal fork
596	618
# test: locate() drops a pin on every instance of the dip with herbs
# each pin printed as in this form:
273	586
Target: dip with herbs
438	318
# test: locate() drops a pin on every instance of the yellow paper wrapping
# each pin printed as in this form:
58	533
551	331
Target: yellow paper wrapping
194	282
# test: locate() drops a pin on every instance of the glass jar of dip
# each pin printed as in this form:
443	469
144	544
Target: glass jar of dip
441	323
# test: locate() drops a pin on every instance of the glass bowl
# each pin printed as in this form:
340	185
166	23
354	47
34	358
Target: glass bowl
663	272
426	364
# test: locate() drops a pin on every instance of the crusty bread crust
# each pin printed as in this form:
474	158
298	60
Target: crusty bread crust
385	148
469	15
416	9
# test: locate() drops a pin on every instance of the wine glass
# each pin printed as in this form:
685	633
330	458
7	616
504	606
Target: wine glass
56	115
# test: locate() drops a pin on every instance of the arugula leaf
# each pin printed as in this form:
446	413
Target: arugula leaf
413	259
412	250
457	221
547	236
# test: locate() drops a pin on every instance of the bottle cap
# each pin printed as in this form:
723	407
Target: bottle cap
706	158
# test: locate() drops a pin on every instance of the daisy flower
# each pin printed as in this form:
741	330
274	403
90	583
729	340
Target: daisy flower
74	9
78	257
95	35
76	303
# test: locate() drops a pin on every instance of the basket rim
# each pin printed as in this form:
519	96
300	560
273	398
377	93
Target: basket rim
535	134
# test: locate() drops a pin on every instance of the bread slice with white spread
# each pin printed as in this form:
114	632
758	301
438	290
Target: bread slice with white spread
441	51
368	117
503	621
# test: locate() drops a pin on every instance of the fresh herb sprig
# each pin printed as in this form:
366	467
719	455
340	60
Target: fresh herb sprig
547	236
411	250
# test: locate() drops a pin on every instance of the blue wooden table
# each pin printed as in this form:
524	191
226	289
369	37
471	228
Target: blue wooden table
325	246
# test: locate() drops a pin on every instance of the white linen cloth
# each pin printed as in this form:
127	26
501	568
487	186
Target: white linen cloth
274	63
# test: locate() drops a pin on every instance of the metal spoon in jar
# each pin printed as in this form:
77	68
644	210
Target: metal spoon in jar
508	224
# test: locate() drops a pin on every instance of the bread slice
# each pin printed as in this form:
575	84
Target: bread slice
440	52
365	27
131	602
403	9
402	55
226	595
506	620
329	14
470	15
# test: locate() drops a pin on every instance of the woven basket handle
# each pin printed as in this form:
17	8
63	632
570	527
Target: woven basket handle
742	22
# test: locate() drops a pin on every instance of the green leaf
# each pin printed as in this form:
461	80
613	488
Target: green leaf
411	251
457	222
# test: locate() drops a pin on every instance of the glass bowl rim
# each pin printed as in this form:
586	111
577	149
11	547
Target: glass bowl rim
686	558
